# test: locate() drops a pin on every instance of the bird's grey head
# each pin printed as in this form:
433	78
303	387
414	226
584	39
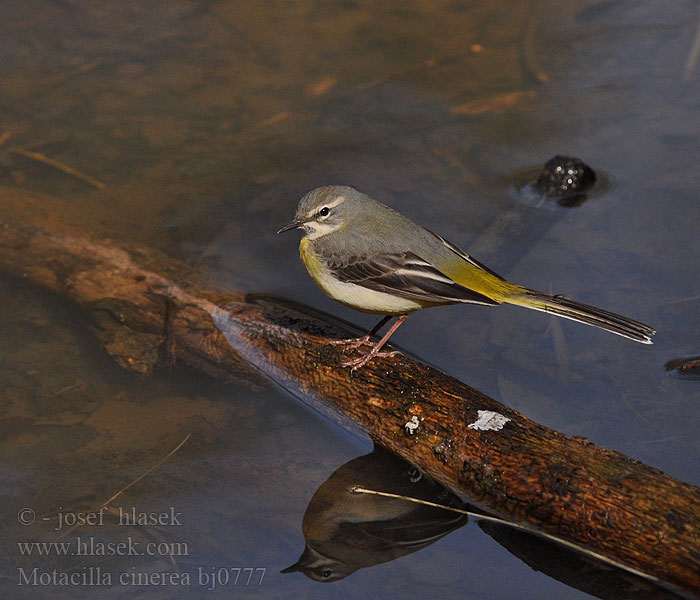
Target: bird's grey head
326	209
318	567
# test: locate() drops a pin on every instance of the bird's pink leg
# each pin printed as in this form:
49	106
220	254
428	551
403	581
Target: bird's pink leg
356	363
365	340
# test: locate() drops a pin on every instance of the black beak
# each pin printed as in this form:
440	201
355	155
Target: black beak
293	225
293	569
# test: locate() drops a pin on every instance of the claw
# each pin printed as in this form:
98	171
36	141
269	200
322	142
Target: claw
352	343
361	361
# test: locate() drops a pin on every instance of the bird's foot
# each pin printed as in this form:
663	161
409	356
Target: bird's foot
361	361
352	343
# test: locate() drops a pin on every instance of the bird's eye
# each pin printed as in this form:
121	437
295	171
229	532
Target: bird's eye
326	573
324	212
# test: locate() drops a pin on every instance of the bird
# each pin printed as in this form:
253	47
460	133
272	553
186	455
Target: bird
368	256
345	530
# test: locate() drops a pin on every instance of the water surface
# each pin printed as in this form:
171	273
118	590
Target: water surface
207	122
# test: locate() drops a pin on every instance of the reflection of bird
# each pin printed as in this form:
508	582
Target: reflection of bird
369	257
346	531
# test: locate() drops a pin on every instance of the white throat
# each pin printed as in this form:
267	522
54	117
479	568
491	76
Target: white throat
316	230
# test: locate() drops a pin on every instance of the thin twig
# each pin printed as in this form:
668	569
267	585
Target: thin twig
60	166
275	119
134	482
62	391
526	47
153	468
692	55
687	299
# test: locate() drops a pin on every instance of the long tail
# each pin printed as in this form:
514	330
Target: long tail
583	313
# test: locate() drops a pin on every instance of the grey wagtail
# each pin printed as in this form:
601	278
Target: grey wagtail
371	258
345	530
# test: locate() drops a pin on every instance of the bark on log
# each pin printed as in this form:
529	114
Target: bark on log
565	486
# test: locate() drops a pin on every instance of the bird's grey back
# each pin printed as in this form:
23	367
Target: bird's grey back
373	228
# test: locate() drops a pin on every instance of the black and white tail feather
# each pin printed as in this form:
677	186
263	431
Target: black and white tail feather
585	313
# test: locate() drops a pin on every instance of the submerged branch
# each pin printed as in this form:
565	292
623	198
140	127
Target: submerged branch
38	157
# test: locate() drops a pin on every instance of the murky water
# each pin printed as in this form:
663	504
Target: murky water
206	121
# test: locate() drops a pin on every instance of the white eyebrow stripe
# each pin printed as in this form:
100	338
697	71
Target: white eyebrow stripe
338	200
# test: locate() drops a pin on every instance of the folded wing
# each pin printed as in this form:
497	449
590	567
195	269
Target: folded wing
403	274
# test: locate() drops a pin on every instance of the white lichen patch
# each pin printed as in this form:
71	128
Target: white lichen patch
412	425
489	421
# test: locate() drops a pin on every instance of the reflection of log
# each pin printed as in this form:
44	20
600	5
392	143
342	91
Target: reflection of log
574	569
565	486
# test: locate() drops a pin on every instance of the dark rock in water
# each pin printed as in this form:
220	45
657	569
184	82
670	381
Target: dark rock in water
565	179
687	368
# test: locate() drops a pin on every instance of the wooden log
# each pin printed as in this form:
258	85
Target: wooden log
566	486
